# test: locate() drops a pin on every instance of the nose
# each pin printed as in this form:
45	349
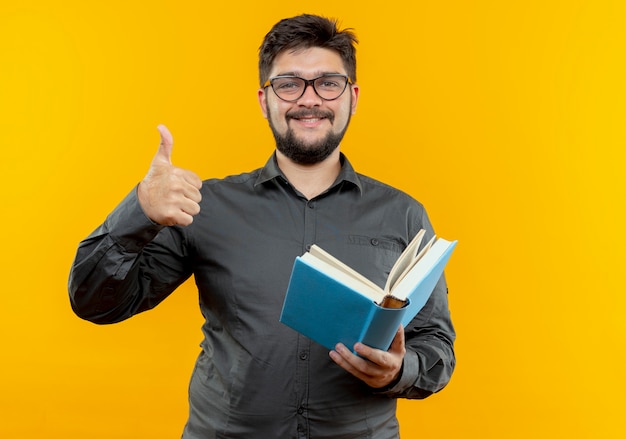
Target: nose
309	98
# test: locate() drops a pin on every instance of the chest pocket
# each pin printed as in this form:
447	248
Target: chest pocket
372	256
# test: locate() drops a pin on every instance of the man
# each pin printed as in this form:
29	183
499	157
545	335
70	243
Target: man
238	236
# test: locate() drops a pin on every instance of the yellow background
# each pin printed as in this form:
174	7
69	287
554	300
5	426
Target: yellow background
506	119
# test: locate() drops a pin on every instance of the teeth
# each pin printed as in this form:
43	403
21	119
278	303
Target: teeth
309	120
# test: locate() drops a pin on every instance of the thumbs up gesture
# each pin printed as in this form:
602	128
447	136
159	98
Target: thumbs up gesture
169	195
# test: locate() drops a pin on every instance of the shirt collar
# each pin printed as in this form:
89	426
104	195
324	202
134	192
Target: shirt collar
271	171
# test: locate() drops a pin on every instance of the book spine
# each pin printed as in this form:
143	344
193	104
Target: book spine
382	326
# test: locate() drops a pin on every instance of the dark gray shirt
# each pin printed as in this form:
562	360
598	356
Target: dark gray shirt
256	378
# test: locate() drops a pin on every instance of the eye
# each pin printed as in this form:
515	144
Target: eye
287	85
329	83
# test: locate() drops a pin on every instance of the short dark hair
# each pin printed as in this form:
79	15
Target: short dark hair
303	32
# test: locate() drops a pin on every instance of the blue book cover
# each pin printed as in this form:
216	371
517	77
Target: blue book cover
331	303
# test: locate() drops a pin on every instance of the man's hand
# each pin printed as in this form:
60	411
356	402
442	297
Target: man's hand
377	368
167	194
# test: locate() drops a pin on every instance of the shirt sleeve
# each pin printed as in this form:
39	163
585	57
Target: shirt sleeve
429	360
429	338
127	265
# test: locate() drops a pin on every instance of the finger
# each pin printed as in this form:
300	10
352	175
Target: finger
181	214
366	351
397	345
341	356
190	207
181	219
379	357
192	178
353	364
164	153
192	193
190	183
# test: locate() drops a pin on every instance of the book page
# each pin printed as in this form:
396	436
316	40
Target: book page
344	275
414	262
404	262
425	262
323	255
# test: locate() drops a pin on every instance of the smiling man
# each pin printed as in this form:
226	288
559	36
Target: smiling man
254	377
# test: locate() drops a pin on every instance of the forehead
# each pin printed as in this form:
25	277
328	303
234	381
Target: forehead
308	62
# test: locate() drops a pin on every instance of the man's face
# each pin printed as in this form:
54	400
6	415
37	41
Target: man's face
309	129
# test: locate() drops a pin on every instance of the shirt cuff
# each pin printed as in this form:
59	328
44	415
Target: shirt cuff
408	376
129	226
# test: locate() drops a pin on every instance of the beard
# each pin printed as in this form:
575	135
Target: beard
307	153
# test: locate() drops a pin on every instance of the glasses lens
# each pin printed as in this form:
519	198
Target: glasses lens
330	87
288	88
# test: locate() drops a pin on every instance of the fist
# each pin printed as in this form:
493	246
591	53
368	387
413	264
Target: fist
169	195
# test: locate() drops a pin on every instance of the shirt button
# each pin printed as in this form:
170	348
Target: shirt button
300	410
374	241
311	205
304	355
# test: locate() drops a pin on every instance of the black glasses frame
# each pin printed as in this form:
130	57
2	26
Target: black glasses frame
308	82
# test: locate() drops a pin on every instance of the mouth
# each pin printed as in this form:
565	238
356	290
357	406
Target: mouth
310	118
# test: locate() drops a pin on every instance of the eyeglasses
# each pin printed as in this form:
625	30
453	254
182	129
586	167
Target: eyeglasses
290	88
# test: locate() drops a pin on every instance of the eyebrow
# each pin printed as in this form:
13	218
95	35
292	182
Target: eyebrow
315	75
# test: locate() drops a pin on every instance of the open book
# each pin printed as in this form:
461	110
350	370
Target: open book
330	302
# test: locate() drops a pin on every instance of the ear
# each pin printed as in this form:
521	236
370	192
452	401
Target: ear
262	101
354	89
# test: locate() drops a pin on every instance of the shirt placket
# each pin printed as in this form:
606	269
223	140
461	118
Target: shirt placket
304	344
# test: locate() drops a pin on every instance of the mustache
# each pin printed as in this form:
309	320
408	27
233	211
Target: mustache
311	112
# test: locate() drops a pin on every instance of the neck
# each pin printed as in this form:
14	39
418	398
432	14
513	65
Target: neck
310	180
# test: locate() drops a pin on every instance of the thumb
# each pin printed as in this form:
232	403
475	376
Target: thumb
164	154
